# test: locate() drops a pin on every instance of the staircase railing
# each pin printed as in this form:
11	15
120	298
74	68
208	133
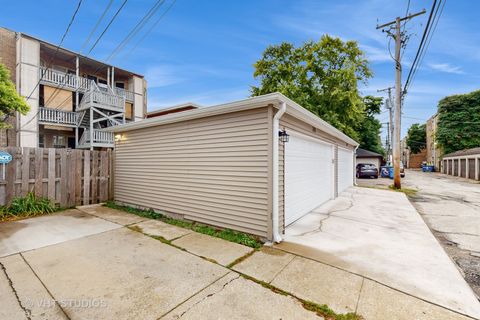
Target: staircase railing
99	136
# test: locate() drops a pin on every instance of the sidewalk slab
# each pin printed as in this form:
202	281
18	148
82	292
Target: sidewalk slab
161	229
28	234
113	215
380	302
222	251
32	294
127	274
320	283
10	309
233	297
264	264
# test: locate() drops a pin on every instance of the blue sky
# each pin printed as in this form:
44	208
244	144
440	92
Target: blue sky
203	51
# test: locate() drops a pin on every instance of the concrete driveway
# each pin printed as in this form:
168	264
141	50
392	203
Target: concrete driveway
378	234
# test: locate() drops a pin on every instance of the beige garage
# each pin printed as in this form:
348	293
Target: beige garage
225	165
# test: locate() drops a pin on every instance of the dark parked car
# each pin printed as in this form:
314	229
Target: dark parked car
367	170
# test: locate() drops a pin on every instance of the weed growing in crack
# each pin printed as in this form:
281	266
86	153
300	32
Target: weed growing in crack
225	234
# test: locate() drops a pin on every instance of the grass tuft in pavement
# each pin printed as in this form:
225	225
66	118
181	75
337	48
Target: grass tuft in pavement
321	310
408	191
225	234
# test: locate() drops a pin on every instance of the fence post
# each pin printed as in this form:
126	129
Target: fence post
78	176
11	176
51	174
111	174
25	171
86	177
39	172
94	175
63	178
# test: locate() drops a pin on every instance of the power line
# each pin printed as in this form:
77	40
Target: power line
152	27
58	47
96	25
137	28
96	42
107	27
57	89
130	35
429	39
427	34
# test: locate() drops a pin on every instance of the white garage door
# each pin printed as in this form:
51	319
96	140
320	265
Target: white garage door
308	175
345	169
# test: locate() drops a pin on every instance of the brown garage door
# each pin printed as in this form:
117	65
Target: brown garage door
471	168
463	168
455	167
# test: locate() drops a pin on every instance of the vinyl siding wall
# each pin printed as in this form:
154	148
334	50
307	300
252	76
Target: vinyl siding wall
289	122
213	170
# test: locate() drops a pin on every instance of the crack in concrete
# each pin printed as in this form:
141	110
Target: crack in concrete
27	311
328	214
208	296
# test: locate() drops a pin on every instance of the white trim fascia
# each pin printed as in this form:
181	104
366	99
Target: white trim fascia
275	99
177	106
471	156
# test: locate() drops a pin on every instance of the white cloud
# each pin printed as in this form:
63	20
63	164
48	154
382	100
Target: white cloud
446	67
162	76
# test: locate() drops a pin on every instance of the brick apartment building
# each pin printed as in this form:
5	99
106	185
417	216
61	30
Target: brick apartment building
72	98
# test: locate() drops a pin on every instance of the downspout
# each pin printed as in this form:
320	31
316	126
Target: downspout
355	166
275	215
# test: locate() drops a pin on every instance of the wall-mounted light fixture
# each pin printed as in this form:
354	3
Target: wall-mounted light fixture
118	137
283	136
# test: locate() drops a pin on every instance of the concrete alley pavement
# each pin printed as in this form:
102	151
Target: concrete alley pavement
451	208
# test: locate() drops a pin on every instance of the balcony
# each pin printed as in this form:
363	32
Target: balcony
65	80
102	100
129	95
102	139
58	117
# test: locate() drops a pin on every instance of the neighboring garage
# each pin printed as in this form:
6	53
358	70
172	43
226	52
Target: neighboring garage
369	157
463	163
255	165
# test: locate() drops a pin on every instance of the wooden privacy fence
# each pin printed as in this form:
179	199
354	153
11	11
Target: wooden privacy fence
68	177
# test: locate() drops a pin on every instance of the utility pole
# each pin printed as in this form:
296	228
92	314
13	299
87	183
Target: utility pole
398	91
389	106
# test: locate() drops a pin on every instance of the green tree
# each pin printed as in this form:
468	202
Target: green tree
321	76
10	100
459	122
369	128
417	137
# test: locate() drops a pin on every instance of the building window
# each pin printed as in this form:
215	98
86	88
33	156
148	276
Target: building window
41	141
58	141
120	84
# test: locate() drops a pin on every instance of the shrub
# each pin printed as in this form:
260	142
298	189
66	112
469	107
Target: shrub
26	207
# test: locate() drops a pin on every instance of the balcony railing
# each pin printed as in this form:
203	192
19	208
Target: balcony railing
100	138
66	80
104	99
60	117
129	95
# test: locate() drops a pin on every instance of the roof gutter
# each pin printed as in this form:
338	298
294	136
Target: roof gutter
355	166
275	215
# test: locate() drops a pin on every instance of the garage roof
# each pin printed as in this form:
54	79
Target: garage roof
362	153
275	99
466	152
